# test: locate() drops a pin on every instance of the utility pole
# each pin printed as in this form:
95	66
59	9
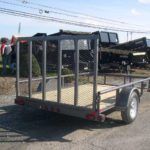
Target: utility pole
127	36
131	35
19	28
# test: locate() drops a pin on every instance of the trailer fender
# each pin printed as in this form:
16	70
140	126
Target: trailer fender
122	99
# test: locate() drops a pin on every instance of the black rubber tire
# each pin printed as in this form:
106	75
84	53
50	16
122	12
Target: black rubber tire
126	117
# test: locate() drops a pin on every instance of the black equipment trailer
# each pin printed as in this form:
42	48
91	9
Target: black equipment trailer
135	53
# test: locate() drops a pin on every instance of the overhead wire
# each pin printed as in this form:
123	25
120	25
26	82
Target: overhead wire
65	21
79	13
45	11
34	8
41	11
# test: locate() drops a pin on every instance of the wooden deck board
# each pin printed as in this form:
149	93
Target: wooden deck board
85	96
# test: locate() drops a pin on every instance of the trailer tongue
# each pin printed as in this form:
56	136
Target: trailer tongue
75	93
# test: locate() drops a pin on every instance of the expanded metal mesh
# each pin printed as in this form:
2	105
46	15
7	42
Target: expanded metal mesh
86	66
51	70
85	98
68	70
67	90
37	69
59	72
36	89
110	80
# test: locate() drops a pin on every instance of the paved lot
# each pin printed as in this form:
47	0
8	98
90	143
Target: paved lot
26	129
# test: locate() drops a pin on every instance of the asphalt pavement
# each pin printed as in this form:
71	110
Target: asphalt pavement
28	129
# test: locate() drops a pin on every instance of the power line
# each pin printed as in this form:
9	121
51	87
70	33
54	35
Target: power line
75	12
64	21
41	11
34	8
46	11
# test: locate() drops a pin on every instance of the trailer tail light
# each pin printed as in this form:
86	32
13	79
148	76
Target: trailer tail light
91	116
20	101
94	116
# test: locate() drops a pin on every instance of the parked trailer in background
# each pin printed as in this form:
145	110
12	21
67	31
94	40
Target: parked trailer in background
86	95
113	54
135	53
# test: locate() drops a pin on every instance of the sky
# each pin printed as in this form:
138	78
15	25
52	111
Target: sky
130	11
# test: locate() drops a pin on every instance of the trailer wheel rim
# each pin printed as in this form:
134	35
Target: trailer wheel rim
133	108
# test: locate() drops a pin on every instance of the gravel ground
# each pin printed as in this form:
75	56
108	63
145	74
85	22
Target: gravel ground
28	129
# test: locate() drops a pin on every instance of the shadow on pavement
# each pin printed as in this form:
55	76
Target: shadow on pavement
18	124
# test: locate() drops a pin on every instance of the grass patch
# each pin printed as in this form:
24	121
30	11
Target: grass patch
49	74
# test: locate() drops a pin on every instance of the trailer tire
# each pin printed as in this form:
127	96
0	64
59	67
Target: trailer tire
130	113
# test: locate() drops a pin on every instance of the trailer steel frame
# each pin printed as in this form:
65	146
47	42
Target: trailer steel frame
73	110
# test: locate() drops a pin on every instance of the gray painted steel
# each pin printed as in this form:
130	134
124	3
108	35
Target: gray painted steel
59	71
96	49
30	68
63	108
125	85
142	87
55	77
17	69
76	93
44	70
74	110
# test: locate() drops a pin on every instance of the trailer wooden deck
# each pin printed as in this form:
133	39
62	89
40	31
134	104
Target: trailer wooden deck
85	96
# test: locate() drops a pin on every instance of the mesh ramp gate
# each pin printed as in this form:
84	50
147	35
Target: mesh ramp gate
68	69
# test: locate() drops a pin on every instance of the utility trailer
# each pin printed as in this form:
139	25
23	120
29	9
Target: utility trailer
86	95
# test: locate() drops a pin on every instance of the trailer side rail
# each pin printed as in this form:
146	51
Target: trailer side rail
119	87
